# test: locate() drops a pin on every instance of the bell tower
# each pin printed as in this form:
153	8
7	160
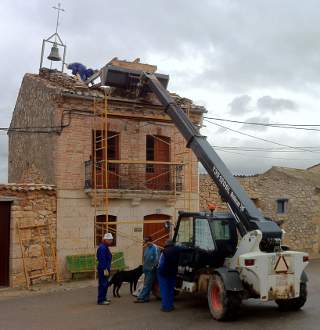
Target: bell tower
56	44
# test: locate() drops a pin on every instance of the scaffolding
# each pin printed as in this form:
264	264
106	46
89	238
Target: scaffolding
179	171
100	166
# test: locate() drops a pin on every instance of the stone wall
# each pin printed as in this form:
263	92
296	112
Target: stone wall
31	138
301	221
30	204
315	168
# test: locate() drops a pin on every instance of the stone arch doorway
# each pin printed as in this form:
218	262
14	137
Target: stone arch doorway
156	229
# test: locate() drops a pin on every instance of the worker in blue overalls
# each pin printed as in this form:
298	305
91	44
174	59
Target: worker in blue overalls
150	263
167	273
104	257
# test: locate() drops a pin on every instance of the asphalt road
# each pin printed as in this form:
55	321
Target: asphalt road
76	309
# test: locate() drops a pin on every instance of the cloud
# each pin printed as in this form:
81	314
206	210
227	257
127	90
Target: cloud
270	104
245	48
256	119
240	105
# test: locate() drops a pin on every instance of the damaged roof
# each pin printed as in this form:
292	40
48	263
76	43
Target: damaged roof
65	83
73	86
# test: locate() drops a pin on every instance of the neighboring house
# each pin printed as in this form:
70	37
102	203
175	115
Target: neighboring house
314	168
287	194
150	176
24	204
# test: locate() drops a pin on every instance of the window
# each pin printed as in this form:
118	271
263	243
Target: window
150	153
150	147
221	229
203	236
103	227
282	206
185	232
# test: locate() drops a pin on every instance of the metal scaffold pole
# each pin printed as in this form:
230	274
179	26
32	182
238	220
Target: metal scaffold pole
100	169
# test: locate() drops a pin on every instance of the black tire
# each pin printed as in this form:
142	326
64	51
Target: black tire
295	303
223	305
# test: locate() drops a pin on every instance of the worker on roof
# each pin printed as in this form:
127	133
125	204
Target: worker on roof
150	263
81	70
104	257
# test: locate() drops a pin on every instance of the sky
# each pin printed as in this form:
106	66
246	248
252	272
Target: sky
247	61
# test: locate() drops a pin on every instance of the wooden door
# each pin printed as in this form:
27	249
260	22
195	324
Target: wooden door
112	154
157	231
4	242
158	176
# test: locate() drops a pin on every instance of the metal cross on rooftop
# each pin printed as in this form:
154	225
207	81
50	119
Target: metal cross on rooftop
58	8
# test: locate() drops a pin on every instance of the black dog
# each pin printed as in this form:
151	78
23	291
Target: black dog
130	276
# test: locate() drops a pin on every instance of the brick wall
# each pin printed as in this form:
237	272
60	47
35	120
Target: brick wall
74	145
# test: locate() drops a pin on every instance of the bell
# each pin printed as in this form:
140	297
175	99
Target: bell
54	54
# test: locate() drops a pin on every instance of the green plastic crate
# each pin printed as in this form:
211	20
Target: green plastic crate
81	263
117	262
88	262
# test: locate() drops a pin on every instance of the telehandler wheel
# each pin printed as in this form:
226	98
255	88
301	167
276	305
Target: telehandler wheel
295	303
223	304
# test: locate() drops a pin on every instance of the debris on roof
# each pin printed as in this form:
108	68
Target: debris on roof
134	65
73	86
64	83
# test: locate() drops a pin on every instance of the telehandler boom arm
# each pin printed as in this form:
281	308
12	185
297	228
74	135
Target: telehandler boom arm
247	215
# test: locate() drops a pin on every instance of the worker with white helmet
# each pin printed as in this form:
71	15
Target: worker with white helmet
104	257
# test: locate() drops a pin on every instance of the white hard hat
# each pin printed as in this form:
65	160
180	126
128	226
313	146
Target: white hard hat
108	236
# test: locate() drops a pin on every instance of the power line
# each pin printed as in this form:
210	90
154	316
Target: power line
267	157
254	149
275	125
261	139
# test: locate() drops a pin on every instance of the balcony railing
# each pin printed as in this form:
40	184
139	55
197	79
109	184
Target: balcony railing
134	175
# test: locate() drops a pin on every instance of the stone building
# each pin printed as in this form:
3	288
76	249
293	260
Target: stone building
285	194
57	127
23	205
314	168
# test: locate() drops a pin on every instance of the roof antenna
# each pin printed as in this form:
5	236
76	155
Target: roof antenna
56	41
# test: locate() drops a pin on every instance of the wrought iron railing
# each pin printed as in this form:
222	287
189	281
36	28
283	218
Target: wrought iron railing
134	175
